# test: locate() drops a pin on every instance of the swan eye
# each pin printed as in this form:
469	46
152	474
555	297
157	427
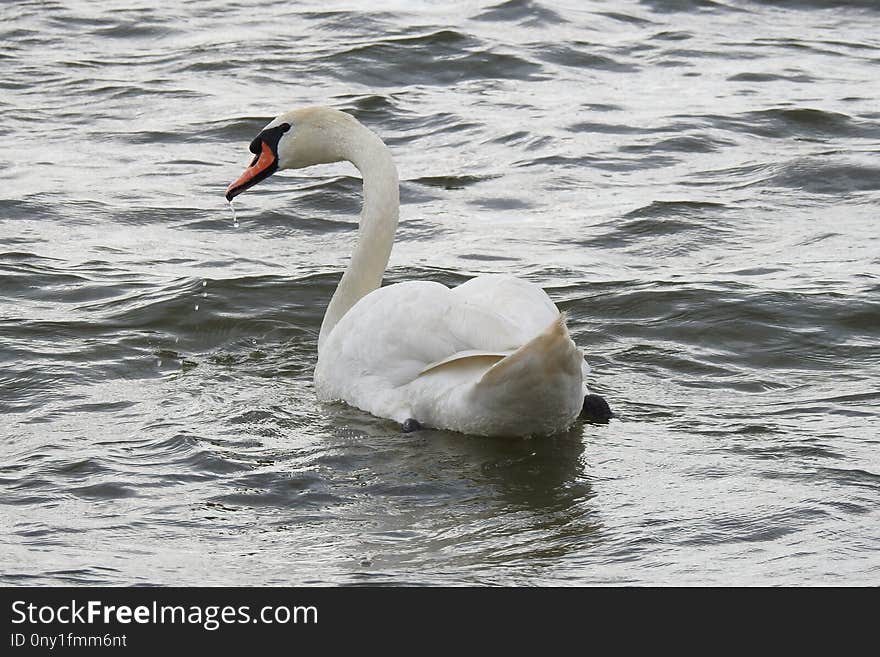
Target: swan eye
271	136
256	144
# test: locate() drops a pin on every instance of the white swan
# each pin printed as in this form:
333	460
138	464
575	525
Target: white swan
491	357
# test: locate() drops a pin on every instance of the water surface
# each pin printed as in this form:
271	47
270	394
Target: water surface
696	183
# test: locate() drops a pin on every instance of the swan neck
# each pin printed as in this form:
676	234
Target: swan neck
378	223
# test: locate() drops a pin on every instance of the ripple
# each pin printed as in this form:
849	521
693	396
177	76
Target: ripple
799	122
294	490
697	209
451	182
862	478
686	144
821	176
427	59
525	12
580	55
673	6
771	77
104	491
825	4
648	228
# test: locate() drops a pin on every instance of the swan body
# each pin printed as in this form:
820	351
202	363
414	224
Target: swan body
490	357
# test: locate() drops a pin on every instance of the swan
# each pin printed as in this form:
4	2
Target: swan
491	357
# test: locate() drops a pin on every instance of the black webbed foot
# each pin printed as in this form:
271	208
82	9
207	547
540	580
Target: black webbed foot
411	425
596	409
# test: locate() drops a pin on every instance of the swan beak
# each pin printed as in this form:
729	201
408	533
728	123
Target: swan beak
263	166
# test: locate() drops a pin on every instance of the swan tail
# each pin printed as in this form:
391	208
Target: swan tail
539	387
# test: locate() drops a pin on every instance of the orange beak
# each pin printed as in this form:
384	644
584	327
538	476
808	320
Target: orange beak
263	166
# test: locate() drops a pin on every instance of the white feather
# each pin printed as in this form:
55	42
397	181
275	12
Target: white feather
490	357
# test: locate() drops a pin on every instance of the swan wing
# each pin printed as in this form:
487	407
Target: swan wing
398	332
486	358
520	303
480	360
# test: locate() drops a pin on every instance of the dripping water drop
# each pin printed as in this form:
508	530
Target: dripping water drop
234	225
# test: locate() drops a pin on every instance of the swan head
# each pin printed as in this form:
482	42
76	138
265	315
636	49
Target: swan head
296	139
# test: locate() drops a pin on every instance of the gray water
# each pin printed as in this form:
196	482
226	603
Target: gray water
695	182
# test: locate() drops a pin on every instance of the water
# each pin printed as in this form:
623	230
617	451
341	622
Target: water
696	183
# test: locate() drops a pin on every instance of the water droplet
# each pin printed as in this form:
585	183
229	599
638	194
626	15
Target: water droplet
158	363
204	294
234	219
197	306
204	283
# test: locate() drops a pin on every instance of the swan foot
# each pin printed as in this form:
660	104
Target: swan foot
596	409
411	425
